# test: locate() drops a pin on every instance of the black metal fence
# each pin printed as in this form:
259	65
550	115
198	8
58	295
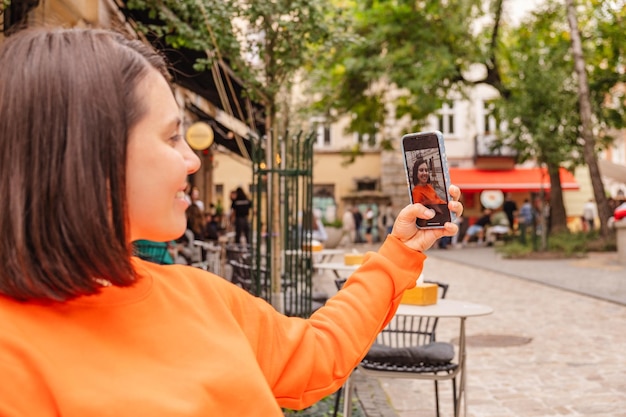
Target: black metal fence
294	166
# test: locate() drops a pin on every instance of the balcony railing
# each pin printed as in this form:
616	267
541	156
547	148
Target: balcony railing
489	155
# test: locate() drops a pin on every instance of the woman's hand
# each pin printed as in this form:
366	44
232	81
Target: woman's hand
407	231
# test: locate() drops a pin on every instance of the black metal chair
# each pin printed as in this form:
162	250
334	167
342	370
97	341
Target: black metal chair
243	276
240	253
407	348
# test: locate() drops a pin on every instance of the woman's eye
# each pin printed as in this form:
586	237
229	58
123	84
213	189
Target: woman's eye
176	138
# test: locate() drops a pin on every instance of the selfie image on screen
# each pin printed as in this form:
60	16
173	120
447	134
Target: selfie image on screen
427	182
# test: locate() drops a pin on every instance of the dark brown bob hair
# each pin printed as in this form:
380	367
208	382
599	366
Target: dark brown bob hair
416	165
68	99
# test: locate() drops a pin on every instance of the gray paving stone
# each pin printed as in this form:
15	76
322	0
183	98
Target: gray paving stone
573	312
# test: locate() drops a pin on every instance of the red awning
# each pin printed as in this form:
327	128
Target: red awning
514	180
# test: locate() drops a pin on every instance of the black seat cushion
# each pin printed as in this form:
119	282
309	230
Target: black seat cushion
432	353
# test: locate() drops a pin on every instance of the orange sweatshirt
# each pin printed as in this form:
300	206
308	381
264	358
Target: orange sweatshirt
184	342
426	194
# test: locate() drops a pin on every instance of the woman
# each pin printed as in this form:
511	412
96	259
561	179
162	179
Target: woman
86	329
423	191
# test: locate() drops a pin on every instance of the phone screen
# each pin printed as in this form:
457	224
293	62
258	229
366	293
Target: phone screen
427	175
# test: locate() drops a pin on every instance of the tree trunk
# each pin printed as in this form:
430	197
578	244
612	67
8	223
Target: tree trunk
558	216
273	209
589	151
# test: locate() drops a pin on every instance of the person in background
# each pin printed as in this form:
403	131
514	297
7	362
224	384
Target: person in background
212	229
195	198
478	228
509	207
195	221
186	250
454	240
358	222
369	225
86	328
499	227
319	232
526	220
240	211
387	219
347	225
590	212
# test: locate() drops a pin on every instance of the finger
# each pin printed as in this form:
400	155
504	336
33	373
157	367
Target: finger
412	211
424	212
455	192
456	207
450	229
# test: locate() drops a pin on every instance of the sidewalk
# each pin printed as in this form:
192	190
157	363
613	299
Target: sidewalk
554	345
599	274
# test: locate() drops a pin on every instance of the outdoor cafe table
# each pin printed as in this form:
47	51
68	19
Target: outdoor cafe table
445	308
336	267
319	256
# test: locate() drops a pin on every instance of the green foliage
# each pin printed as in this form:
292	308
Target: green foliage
337	223
541	109
569	243
563	244
419	47
579	243
514	250
425	49
265	41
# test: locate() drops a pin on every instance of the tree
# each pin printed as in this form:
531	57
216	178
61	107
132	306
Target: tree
426	49
422	47
265	42
540	108
586	117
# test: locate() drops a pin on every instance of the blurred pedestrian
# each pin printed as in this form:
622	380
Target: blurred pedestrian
387	219
526	220
358	222
590	212
241	207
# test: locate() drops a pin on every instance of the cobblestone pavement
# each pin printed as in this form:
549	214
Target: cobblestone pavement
549	349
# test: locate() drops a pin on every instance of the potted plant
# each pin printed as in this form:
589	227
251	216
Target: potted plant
334	232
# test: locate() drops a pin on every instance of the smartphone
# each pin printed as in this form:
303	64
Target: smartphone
428	177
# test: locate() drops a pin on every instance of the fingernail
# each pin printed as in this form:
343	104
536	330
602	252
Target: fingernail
430	212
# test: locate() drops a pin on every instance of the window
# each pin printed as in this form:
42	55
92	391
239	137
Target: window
446	119
326	139
361	138
366	184
321	128
490	124
367	140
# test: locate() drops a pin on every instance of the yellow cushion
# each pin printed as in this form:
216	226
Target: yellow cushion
353	258
421	295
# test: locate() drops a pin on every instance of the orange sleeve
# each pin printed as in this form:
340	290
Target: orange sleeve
305	360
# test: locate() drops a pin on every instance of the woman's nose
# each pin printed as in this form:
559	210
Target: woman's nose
191	159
